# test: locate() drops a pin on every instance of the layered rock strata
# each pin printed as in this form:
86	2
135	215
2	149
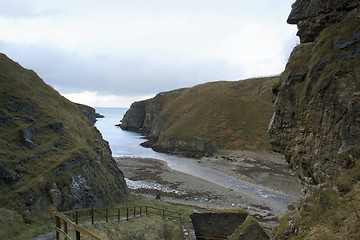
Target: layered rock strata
317	112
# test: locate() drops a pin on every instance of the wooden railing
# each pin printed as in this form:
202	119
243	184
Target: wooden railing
210	237
92	215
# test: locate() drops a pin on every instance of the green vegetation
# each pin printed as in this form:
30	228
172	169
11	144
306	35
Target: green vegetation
152	226
347	180
45	141
325	214
249	227
231	115
295	3
319	57
138	228
136	200
18	226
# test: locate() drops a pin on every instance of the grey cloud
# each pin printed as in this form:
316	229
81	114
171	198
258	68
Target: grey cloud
16	9
70	73
24	9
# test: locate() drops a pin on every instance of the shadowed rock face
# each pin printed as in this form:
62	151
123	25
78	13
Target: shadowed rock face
134	120
89	113
227	225
216	224
50	152
313	16
316	123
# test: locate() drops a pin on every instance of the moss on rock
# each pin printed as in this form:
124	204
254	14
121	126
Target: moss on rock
249	230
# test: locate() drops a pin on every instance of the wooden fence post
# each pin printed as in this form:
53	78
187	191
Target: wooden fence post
65	227
127	213
163	213
77	217
140	210
77	235
92	216
119	211
146	211
58	225
106	215
134	212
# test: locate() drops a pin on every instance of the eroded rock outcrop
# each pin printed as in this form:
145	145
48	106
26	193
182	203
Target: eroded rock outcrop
89	113
313	16
316	122
51	155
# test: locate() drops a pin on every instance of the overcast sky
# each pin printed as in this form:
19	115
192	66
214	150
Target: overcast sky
114	52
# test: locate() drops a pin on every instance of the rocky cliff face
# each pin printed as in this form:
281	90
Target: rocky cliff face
316	123
200	120
89	113
51	155
317	112
313	16
144	117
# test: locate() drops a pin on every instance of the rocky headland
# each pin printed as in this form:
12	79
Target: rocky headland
89	113
201	120
51	155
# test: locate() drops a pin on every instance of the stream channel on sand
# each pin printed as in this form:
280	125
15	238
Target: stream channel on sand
126	146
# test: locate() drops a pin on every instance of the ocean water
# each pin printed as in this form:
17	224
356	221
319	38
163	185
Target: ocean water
122	143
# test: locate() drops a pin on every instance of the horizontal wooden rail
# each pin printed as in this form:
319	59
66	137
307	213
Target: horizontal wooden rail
92	215
210	237
59	230
78	229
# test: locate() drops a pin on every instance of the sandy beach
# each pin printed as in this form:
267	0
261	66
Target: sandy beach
152	177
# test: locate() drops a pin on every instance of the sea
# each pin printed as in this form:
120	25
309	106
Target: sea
127	144
122	143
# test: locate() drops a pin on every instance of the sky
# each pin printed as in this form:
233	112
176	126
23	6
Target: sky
111	53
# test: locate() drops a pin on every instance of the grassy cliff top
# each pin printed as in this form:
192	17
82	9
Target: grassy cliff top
234	115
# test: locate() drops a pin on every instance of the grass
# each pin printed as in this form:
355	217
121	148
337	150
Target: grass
140	228
325	214
27	102
309	56
19	226
136	200
145	227
295	3
250	223
229	115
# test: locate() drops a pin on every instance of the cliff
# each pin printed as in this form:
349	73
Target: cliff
203	119
89	113
316	123
51	155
